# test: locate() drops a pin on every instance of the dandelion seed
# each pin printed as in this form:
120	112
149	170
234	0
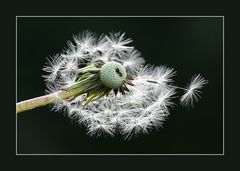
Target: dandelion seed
132	60
118	43
53	66
192	92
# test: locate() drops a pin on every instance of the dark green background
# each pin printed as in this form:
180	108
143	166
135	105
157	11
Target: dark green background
190	45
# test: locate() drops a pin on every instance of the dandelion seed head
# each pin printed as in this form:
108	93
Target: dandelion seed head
120	94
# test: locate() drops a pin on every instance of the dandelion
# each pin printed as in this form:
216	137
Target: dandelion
102	82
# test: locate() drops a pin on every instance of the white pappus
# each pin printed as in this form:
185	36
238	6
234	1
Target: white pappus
137	100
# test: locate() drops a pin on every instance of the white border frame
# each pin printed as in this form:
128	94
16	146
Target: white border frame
223	148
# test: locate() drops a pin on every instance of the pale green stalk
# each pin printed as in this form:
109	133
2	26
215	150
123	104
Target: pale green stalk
47	99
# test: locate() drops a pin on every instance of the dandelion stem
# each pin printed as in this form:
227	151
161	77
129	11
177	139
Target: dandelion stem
45	100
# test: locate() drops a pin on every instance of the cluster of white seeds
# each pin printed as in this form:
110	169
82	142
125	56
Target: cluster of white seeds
143	108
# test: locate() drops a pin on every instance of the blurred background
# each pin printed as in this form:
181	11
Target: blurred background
190	45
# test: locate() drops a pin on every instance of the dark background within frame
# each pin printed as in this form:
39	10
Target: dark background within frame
190	45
